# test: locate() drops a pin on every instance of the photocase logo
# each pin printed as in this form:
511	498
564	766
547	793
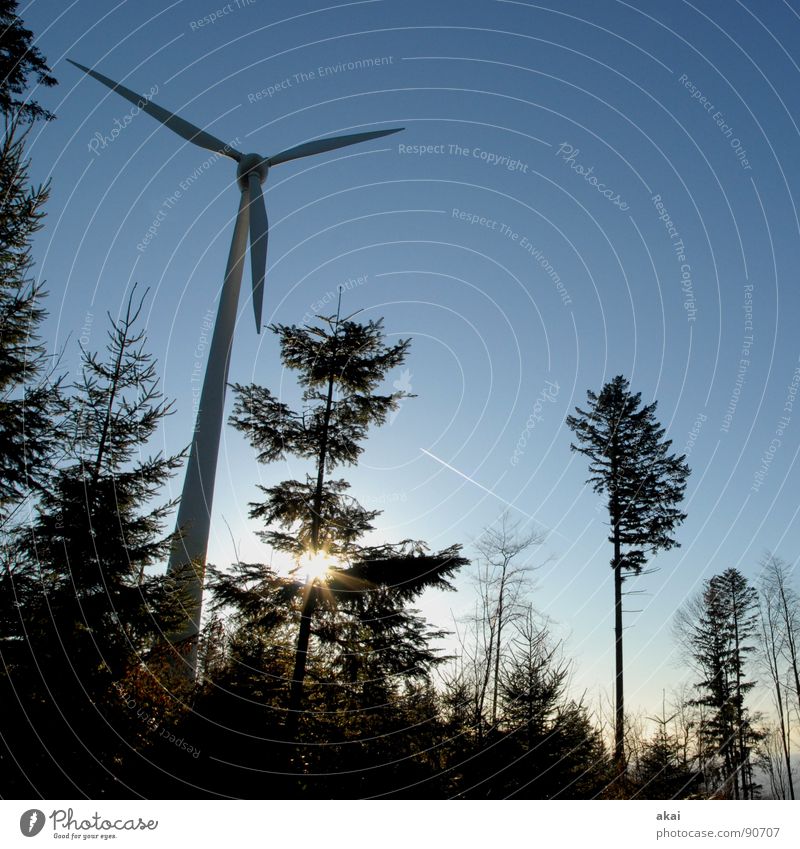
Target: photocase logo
31	822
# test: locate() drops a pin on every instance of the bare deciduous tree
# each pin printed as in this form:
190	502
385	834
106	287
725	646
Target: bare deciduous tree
502	578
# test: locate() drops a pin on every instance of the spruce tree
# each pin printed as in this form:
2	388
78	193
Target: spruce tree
29	399
720	629
89	614
643	483
19	62
663	771
359	595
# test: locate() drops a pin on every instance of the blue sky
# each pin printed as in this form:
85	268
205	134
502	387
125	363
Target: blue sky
583	189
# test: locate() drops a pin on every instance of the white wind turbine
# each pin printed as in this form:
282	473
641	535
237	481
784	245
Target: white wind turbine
194	512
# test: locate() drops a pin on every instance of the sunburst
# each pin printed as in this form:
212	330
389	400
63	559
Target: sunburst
315	565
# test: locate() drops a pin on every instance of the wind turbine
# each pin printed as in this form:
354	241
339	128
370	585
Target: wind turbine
194	512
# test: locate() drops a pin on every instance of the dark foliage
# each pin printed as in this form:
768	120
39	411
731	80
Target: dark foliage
19	62
82	615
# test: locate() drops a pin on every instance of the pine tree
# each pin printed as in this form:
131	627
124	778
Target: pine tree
29	399
663	770
90	616
361	594
719	629
19	61
630	463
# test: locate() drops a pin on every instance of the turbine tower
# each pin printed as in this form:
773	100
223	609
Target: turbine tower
194	512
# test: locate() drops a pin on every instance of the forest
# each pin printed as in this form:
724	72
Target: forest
328	682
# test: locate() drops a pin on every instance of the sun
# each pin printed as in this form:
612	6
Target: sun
315	565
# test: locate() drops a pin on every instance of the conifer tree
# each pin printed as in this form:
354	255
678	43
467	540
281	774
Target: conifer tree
97	528
90	616
663	770
340	365
719	629
19	62
643	483
29	399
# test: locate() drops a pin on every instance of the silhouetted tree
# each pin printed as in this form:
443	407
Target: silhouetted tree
630	463
784	601
340	364
501	581
719	629
663	769
29	400
19	62
544	744
89	614
777	643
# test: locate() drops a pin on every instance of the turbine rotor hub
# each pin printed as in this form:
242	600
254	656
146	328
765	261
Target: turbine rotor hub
251	163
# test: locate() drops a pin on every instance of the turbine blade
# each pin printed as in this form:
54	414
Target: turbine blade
169	119
259	231
323	145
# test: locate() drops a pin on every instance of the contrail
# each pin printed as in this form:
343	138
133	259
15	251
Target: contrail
491	492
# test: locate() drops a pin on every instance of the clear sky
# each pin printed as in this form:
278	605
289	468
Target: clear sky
583	189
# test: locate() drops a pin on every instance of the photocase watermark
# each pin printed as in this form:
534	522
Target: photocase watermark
452	149
780	429
153	724
687	286
219	14
744	360
68	826
548	395
524	242
330	297
32	822
319	73
196	380
169	202
100	141
719	119
569	155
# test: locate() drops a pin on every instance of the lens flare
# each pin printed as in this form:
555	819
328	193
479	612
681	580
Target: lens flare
315	565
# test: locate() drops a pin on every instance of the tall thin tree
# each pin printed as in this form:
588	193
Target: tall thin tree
780	634
631	464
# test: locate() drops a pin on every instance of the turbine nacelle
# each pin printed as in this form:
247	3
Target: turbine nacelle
251	163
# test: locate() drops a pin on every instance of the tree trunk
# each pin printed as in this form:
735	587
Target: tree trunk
741	754
788	624
300	658
616	519
316	515
500	614
310	591
619	731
